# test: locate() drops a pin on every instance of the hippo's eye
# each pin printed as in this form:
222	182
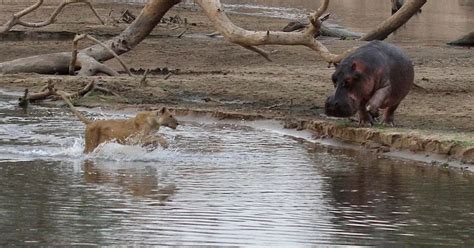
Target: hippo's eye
356	76
347	83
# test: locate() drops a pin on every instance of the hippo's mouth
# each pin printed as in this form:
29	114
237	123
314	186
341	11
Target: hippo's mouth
340	113
339	109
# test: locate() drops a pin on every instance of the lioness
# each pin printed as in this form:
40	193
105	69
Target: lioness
137	130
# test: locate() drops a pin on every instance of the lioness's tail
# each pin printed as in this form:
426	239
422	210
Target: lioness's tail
73	109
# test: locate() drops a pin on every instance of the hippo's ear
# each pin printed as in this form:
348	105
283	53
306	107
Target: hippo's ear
358	66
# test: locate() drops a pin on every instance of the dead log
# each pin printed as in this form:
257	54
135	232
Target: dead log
466	40
384	29
86	68
16	18
397	4
325	30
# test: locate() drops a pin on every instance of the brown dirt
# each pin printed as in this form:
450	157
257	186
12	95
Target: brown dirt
217	75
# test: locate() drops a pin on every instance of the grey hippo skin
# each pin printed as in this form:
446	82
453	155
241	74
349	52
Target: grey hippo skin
376	76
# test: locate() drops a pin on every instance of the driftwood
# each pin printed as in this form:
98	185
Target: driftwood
324	31
46	91
91	66
401	14
143	82
180	35
466	40
127	16
49	91
16	18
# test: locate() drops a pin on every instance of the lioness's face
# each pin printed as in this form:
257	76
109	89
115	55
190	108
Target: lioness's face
167	119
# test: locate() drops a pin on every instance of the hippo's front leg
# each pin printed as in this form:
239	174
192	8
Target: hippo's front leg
379	97
365	118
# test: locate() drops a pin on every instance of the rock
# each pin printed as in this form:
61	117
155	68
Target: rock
467	155
372	145
435	146
383	149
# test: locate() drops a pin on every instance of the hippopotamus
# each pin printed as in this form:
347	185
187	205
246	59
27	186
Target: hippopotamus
375	76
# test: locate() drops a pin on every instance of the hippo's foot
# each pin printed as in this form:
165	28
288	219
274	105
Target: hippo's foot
365	119
388	116
374	112
388	123
365	123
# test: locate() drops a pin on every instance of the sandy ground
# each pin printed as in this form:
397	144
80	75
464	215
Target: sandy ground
211	73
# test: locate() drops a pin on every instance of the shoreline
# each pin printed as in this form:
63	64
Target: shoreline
447	153
214	76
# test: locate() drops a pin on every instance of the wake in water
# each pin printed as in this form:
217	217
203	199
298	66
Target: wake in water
73	150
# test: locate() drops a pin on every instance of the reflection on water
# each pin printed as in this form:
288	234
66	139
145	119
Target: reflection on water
218	184
441	20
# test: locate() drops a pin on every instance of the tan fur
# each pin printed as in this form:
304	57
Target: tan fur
137	130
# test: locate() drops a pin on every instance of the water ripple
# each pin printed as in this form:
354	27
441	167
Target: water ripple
217	185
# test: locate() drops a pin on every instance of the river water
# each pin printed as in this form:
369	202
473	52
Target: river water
245	184
440	20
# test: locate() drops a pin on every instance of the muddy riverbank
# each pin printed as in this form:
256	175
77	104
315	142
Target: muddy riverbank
213	75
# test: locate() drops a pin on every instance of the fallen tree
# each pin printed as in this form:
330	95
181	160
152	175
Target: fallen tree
89	60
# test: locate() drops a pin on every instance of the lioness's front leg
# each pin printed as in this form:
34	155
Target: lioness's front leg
153	141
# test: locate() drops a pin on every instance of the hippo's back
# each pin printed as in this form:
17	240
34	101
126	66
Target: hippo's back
379	55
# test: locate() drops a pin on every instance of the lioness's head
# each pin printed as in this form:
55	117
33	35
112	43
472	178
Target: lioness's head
152	120
166	118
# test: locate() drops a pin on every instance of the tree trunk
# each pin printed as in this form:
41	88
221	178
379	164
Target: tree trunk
383	30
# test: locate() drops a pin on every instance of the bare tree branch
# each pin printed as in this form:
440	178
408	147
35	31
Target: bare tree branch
249	39
73	64
15	20
384	29
49	91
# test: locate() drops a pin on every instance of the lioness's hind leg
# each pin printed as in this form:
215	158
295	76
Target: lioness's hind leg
92	139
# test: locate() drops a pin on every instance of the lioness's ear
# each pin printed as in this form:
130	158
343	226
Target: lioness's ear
163	110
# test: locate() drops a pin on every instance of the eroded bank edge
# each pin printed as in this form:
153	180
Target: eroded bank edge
398	143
